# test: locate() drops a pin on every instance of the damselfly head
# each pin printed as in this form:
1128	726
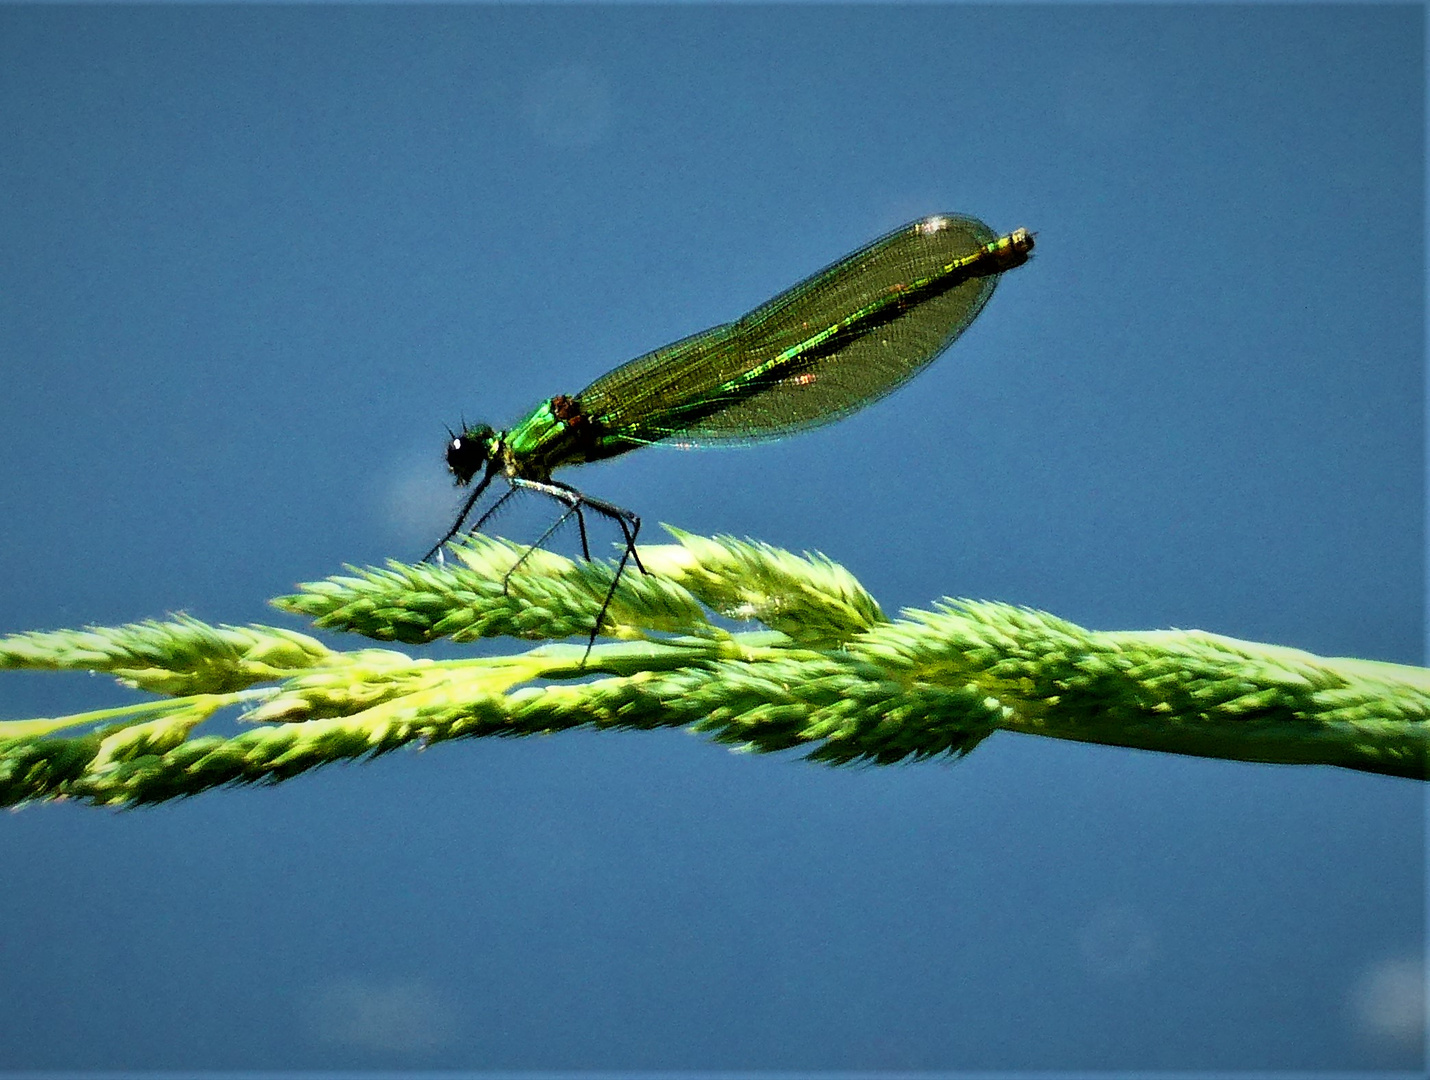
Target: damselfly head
469	451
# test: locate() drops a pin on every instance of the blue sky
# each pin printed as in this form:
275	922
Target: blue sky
253	261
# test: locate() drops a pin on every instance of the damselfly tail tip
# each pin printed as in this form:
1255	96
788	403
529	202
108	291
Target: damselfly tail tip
1012	250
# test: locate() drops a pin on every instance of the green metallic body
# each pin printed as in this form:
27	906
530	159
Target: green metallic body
837	341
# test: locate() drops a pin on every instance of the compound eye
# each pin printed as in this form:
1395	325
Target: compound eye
465	456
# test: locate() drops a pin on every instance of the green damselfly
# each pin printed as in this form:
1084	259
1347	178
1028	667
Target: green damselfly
838	340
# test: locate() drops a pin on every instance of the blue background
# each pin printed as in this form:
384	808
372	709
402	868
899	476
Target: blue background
253	259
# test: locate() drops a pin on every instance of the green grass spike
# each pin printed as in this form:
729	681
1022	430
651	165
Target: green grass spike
828	675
